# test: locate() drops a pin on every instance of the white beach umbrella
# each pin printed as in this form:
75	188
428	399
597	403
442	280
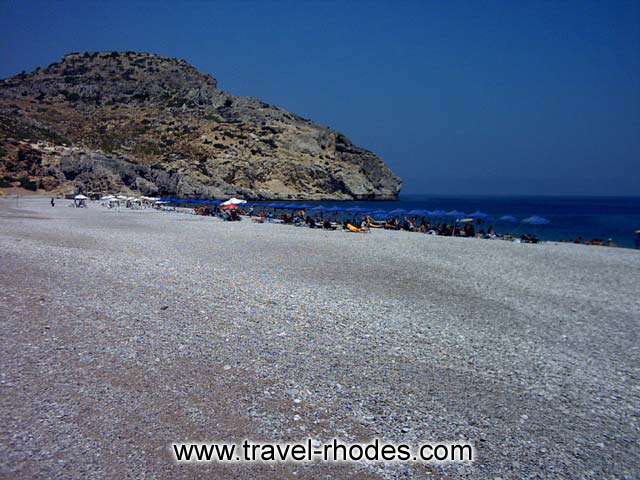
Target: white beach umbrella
80	197
233	201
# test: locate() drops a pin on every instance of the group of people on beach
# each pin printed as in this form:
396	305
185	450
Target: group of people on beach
359	224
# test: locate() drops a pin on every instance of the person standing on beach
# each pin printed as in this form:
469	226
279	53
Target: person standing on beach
638	239
53	202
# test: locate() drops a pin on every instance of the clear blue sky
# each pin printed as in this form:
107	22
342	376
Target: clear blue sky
458	97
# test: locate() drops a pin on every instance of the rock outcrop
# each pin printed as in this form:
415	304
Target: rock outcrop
141	122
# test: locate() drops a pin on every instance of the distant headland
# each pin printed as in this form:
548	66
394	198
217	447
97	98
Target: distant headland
118	121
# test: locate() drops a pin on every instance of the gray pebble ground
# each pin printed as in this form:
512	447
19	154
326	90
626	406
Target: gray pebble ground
125	331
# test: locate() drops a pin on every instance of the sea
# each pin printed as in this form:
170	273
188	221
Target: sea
615	218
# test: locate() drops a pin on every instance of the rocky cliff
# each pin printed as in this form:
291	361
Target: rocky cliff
140	122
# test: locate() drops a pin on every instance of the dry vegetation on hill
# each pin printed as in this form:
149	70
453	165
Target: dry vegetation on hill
137	121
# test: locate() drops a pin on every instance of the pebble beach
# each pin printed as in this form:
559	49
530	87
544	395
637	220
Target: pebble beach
126	330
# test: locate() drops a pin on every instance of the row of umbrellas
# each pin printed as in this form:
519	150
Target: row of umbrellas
107	198
358	210
455	214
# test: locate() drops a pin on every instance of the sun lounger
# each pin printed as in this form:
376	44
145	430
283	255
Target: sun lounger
353	229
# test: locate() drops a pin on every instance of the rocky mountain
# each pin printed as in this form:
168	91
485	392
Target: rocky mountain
140	122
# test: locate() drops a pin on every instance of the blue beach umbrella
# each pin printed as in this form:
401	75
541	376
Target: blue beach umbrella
508	218
438	213
397	211
318	209
356	210
417	212
479	215
379	214
536	220
456	214
335	210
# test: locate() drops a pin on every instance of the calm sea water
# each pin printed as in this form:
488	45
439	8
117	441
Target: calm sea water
589	217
